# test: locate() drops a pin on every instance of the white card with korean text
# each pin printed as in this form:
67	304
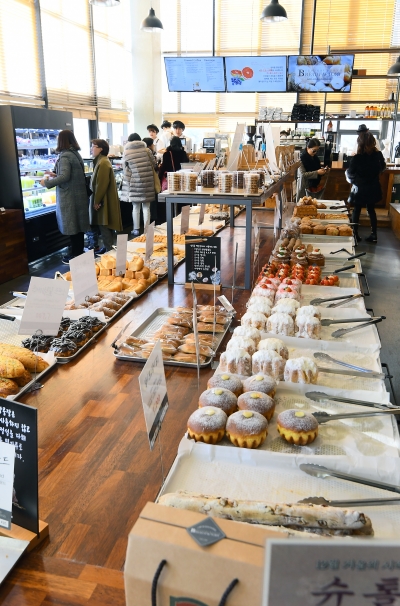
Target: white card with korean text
150	240
202	213
185	219
153	389
122	246
7	457
83	274
44	306
332	571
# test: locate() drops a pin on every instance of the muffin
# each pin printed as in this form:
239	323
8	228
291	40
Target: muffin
257	402
207	425
220	398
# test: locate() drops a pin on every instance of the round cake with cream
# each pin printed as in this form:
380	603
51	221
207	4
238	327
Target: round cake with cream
247	429
257	402
207	425
297	427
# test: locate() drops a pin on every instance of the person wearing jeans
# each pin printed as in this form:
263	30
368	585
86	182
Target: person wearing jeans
363	172
104	209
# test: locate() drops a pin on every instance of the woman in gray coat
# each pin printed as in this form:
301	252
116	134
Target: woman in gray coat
138	182
72	205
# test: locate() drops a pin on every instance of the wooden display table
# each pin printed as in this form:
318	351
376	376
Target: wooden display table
13	257
338	188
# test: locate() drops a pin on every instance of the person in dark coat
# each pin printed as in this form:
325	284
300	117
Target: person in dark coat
172	161
72	209
363	173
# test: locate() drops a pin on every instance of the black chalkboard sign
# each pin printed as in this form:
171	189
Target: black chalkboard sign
18	426
203	262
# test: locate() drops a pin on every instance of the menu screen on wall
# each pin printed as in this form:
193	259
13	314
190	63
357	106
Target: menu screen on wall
195	74
256	74
320	73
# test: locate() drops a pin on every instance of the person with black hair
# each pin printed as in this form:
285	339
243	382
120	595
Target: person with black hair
134	137
310	172
172	161
178	129
166	133
159	143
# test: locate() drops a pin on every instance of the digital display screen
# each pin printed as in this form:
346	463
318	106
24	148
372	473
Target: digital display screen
195	74
183	140
256	74
320	73
209	142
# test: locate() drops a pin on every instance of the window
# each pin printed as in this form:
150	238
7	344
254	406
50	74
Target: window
81	132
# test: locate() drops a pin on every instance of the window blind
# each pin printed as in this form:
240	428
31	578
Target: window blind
113	62
20	77
344	25
68	55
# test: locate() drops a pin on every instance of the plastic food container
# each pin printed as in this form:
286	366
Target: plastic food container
251	183
238	179
208	179
174	181
189	182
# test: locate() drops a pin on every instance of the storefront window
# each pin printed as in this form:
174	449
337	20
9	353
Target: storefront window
81	132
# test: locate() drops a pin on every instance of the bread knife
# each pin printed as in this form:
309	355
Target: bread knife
319	471
320	396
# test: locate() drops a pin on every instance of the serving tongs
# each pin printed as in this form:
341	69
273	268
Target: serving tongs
320	396
4	317
119	335
358	371
349	502
328	322
342	300
325	417
18	295
334	252
319	471
345	331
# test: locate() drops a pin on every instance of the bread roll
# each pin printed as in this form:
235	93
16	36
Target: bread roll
136	264
129	274
143	273
10	368
105	272
109	262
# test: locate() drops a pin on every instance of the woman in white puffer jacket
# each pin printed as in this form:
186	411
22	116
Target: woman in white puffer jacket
138	180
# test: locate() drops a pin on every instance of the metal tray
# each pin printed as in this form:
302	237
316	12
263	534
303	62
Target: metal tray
323	239
65	360
153	323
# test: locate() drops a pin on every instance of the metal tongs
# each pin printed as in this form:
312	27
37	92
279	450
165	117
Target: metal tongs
119	335
349	502
357	371
4	317
342	300
344	331
334	252
18	295
319	471
324	417
328	322
320	396
338	271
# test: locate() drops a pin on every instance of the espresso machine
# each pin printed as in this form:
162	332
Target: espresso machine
250	132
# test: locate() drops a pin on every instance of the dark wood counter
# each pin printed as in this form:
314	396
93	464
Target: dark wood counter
13	257
339	189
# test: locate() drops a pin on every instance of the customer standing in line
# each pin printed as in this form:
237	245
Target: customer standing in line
104	209
138	181
72	210
365	168
172	161
310	172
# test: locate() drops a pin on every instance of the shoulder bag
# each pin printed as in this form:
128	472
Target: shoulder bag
164	182
89	191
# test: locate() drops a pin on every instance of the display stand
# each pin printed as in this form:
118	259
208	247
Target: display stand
21	534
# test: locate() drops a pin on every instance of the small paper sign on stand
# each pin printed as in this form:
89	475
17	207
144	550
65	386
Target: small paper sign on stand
328	572
150	240
202	213
122	247
153	389
44	306
83	274
7	456
185	220
203	264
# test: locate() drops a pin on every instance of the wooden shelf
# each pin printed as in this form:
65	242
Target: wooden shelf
287	122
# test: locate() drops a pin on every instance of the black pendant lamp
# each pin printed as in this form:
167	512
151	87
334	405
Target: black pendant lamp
151	23
274	12
105	2
395	69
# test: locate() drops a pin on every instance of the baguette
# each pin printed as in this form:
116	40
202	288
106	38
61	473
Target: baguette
298	515
10	368
26	357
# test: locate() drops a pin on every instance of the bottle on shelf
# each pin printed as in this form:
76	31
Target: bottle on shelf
366	111
329	128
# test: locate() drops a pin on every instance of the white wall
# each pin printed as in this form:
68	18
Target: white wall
146	66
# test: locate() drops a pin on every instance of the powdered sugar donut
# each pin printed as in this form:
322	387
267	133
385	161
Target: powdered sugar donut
247	429
254	319
260	382
226	381
250	333
219	397
236	361
309	327
268	362
207	425
274	345
258	402
281	324
242	343
297	427
301	370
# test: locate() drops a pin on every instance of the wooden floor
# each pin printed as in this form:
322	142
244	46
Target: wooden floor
96	471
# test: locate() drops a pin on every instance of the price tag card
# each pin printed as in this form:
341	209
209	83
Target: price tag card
122	246
185	219
7	457
360	572
150	240
203	261
44	306
153	390
224	301
83	274
202	213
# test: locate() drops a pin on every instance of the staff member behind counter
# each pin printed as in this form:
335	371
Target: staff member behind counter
310	172
178	128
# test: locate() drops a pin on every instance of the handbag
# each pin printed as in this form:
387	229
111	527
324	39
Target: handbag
164	180
156	178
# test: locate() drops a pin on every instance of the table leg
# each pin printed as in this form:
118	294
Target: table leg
232	215
170	242
247	259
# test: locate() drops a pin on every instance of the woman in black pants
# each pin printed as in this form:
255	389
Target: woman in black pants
364	171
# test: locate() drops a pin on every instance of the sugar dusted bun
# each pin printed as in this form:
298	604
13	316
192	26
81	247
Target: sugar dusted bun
226	381
220	398
269	362
247	429
249	333
242	343
309	327
260	382
301	370
254	319
236	361
287	292
309	310
274	345
286	306
260	291
207	425
257	402
263	306
281	324
297	427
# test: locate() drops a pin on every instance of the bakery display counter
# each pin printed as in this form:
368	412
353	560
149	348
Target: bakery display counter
13	255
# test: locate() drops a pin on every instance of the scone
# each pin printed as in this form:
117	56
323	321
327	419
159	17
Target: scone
297	427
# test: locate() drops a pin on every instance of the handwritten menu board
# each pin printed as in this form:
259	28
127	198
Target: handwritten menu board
203	261
18	427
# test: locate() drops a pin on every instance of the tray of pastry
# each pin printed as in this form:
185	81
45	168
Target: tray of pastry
112	304
177	339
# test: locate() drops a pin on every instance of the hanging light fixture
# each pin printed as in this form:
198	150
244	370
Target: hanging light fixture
395	69
273	12
151	23
105	2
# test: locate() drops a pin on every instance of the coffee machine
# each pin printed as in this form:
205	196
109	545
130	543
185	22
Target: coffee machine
250	132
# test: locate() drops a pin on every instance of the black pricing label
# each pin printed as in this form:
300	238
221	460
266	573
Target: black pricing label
203	261
207	532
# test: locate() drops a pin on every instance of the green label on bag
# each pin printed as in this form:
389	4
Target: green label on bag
185	602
